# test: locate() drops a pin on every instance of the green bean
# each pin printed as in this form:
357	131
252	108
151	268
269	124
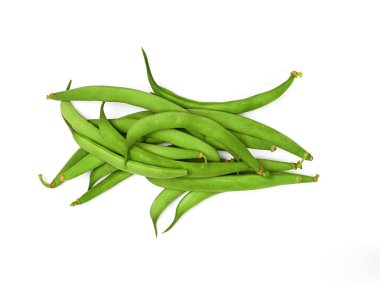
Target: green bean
99	172
162	201
235	106
199	124
250	127
104	185
232	182
75	158
117	94
174	137
171	152
189	201
194	198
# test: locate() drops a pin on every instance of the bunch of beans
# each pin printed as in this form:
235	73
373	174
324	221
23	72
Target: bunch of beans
177	144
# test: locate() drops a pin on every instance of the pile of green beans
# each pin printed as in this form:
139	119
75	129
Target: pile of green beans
189	148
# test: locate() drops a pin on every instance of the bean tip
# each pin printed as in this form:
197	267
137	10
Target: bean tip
75	203
48	185
299	164
273	148
202	155
263	173
297	74
50	96
316	177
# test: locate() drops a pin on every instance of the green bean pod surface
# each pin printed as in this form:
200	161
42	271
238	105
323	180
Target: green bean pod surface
250	127
104	185
235	106
232	182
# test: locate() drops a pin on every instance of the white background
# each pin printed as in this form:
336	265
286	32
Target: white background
321	233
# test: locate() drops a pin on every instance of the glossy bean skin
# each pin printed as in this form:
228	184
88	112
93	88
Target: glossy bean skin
199	124
235	106
162	201
104	185
117	94
74	159
250	127
189	201
232	182
174	137
100	172
171	152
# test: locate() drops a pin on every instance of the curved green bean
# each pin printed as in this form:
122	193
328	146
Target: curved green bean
253	128
199	124
162	201
235	106
104	185
117	94
232	182
189	201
